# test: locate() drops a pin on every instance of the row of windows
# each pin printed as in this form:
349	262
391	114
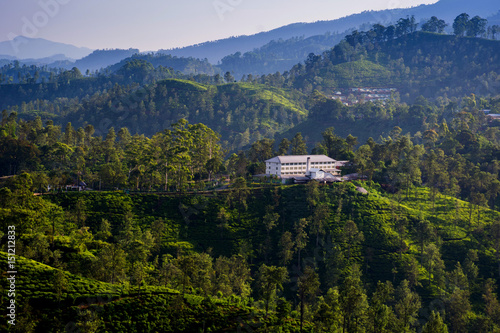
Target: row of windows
312	163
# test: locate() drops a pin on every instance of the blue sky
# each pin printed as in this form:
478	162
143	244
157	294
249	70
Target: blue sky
163	24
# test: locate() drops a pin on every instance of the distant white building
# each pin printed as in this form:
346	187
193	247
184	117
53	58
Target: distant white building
302	165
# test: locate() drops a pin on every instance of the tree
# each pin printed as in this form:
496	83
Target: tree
327	317
351	142
492	306
60	283
460	24
308	286
405	26
495	237
298	145
433	263
196	271
232	276
312	194
353	302
434	25
80	212
363	161
228	77
425	234
157	232
286	247
458	309
88	321
110	264
261	150
406	307
271	279
351	238
239	194
435	324
301	237
320	218
69	135
270	220
223	217
335	146
284	146
495	29
104	230
476	26
380	314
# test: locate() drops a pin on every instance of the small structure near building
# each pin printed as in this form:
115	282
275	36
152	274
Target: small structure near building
81	186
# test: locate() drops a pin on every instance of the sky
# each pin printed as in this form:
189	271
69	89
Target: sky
162	24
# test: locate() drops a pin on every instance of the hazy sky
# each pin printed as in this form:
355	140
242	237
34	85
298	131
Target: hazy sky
162	24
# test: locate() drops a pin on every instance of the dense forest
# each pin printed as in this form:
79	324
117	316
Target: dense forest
170	230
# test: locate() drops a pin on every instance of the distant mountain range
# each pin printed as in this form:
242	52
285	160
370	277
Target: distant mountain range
447	10
38	48
103	58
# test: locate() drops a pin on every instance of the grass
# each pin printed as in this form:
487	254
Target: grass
183	84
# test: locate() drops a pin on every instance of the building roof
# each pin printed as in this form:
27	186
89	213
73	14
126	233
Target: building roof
300	159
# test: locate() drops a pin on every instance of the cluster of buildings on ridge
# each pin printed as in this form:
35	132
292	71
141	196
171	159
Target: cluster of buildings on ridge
301	169
491	116
360	95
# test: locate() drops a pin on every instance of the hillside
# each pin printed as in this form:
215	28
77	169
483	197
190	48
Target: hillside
277	55
240	112
417	64
100	59
183	65
52	299
419	242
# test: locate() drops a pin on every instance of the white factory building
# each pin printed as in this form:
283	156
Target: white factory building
303	165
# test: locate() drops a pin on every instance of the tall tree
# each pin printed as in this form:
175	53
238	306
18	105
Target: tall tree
381	316
476	26
298	144
406	307
435	324
434	25
301	238
434	264
353	302
458	309
286	245
460	24
308	287
271	279
284	146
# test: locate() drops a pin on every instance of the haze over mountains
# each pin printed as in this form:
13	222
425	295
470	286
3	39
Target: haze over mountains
37	48
291	39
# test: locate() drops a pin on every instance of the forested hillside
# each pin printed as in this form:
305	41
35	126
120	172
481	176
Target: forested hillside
134	200
417	63
326	258
277	55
